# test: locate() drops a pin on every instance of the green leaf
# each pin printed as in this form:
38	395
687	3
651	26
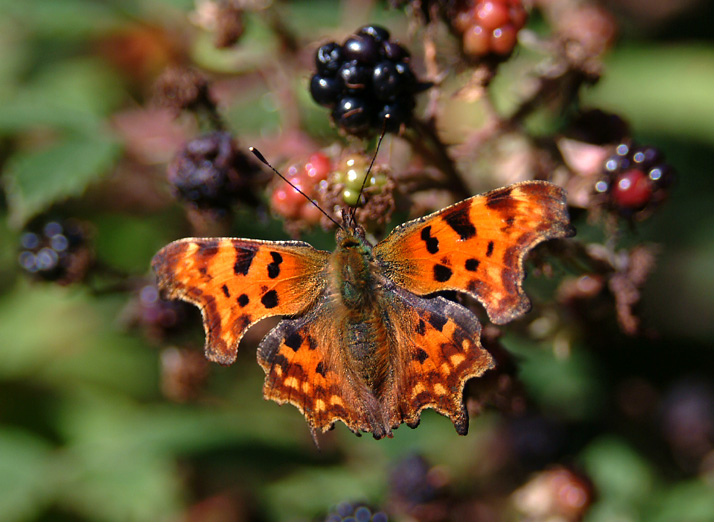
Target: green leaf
307	494
36	180
66	19
24	482
64	337
73	95
621	476
567	385
685	502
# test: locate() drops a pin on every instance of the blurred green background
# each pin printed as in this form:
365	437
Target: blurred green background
85	431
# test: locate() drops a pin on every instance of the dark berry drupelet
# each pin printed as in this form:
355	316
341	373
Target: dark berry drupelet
210	173
363	80
56	250
636	179
349	512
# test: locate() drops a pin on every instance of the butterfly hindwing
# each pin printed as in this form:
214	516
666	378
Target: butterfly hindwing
432	348
305	365
477	245
437	349
237	282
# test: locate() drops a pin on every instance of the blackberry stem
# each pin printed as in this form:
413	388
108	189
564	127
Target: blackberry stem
429	145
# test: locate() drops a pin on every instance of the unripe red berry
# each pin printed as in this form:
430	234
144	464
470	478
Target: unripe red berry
632	189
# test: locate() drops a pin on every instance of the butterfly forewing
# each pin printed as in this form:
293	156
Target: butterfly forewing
237	282
477	246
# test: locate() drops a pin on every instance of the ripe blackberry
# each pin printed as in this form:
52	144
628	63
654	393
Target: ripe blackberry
636	179
363	80
489	28
410	482
55	250
210	173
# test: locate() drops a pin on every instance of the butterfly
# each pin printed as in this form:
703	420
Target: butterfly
367	338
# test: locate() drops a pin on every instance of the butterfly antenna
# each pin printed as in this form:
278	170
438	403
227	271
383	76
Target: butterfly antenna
262	159
369	170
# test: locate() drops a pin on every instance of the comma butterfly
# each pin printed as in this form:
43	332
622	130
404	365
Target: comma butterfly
367	339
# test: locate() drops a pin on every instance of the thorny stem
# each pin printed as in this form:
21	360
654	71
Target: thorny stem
566	85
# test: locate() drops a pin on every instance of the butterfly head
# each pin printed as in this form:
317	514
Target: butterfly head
351	231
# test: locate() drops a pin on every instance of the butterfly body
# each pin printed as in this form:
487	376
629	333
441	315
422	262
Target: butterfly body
366	339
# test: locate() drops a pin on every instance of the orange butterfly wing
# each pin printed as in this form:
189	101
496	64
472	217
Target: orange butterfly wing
436	350
305	365
478	245
431	348
237	282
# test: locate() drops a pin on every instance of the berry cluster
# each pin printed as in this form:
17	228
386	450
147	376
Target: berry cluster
374	207
288	202
489	27
347	512
55	251
410	482
365	79
636	179
350	175
210	173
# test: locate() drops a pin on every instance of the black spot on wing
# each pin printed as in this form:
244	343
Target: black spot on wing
270	299
489	249
243	322
460	222
432	244
280	360
226	292
472	264
442	273
437	321
311	343
421	327
294	341
243	300
244	258
274	267
420	355
475	287
320	368
509	223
